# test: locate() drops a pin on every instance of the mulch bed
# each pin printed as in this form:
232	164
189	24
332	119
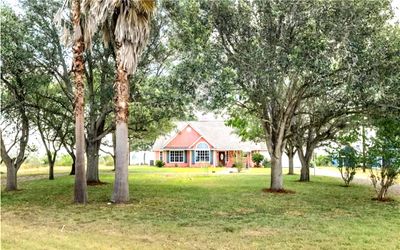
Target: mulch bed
280	191
383	200
96	183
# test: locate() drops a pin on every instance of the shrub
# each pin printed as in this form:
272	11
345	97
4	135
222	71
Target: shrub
384	157
347	164
160	164
257	159
266	163
239	165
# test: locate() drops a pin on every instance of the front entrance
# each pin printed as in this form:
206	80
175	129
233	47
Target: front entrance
221	159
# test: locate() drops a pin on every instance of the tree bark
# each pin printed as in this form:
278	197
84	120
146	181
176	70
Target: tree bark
13	164
363	149
92	155
291	167
72	167
80	191
290	154
71	153
305	159
276	144
276	173
121	186
51	170
11	178
114	160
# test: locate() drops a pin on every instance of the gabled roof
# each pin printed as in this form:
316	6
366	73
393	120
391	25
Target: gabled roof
219	135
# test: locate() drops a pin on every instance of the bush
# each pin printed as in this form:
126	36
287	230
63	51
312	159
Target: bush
239	165
266	163
160	164
257	159
384	156
323	161
347	164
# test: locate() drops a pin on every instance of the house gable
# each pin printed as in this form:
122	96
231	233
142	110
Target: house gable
184	138
200	139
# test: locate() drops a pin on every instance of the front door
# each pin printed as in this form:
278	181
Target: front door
221	159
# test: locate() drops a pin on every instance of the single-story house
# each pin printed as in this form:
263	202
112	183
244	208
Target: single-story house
205	143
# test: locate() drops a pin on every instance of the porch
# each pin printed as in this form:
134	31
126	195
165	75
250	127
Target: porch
203	158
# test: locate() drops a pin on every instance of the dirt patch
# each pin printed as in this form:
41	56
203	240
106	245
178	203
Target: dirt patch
279	191
96	183
383	200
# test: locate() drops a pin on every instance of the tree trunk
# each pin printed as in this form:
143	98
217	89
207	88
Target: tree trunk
382	193
51	170
305	173
12	168
305	160
92	155
291	167
121	186
80	191
363	148
11	177
276	173
72	167
114	161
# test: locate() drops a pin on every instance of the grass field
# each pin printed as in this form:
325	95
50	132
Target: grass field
196	209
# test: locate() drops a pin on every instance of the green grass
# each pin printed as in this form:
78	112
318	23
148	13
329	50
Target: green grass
195	209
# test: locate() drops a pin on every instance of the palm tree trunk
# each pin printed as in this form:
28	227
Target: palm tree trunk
80	192
121	186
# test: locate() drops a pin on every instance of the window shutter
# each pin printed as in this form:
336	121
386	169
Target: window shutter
167	156
184	156
211	157
193	157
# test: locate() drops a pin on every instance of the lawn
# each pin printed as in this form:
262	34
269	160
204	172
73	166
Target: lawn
196	209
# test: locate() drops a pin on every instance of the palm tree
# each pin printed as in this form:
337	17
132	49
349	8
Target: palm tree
126	24
80	191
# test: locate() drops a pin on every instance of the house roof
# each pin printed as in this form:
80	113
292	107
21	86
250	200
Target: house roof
219	135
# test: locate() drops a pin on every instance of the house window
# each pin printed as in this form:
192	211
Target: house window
161	155
175	156
202	152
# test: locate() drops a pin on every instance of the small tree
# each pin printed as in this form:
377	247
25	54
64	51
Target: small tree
257	159
384	156
238	164
346	159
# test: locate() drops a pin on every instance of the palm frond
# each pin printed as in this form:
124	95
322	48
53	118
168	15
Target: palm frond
131	28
